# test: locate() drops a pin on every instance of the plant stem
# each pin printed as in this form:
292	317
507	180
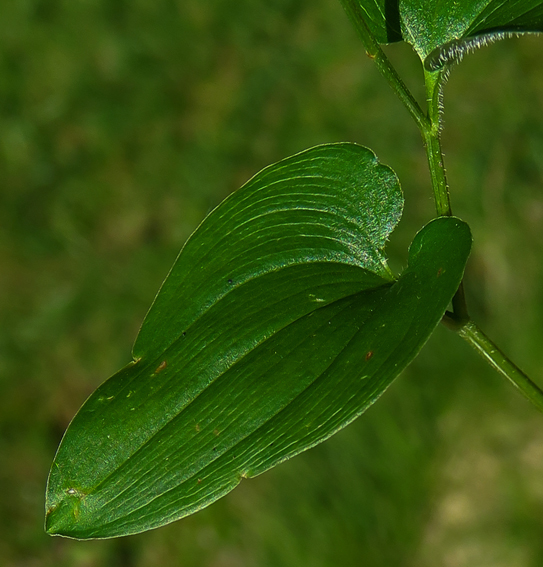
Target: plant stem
430	127
459	319
432	142
498	360
374	51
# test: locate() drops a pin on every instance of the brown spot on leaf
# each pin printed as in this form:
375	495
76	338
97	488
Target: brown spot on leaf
161	367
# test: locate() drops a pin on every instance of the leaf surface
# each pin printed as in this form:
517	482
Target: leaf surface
431	25
279	323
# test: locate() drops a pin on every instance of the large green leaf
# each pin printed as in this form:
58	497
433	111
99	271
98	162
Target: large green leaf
279	324
445	27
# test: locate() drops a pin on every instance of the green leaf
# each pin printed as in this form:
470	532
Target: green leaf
441	30
278	325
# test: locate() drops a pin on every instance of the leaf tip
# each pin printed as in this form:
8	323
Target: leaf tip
61	516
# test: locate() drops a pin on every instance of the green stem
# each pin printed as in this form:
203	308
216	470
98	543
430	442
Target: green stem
429	125
459	319
430	128
432	143
498	360
374	51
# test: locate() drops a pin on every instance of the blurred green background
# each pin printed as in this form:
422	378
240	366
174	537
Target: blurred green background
121	125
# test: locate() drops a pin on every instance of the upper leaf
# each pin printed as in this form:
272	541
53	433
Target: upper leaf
429	25
278	325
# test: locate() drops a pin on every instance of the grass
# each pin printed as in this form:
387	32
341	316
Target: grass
122	125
